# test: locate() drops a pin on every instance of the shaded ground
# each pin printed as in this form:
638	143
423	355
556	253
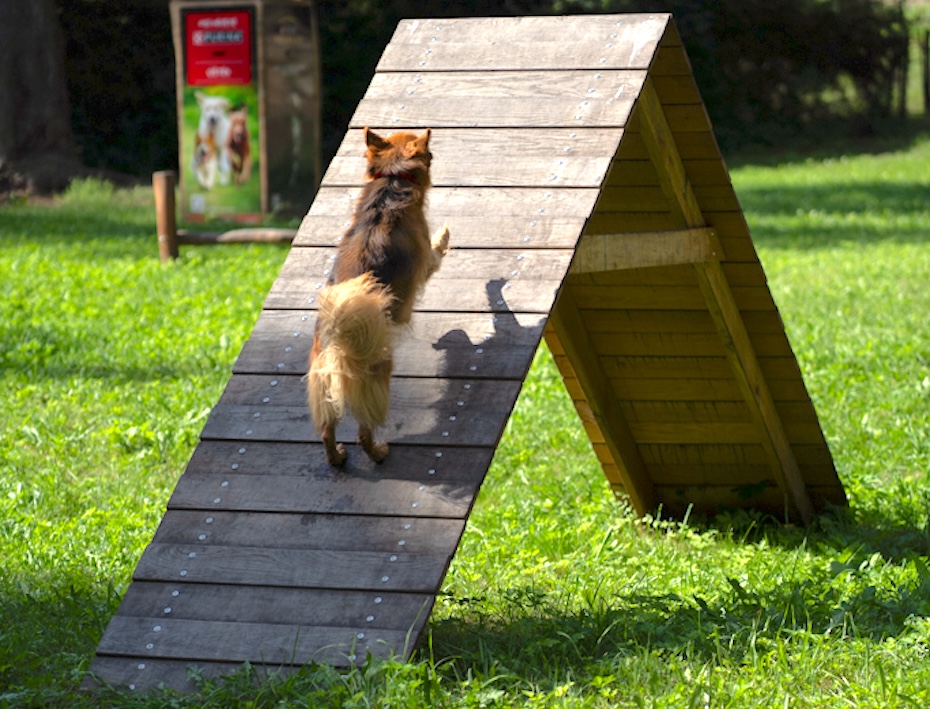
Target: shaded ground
45	174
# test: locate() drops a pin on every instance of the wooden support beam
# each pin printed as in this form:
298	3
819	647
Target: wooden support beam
573	339
751	380
660	144
616	252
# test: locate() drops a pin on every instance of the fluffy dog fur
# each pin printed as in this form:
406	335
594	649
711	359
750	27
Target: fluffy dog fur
384	259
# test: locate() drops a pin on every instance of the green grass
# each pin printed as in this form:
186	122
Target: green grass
558	596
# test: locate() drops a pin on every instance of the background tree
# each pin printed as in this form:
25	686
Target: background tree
37	146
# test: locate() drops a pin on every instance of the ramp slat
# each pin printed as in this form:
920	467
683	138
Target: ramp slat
305	568
591	153
305	607
435	344
324	496
310	531
456	466
274	644
532	43
503	99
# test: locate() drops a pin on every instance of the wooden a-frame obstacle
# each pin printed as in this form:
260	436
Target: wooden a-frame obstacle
588	201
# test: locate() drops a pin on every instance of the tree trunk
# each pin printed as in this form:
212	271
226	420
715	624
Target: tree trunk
37	147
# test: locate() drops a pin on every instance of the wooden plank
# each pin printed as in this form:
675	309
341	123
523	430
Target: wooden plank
674	321
449	203
664	410
613	252
306	568
670	61
643	409
341	494
314	264
736	475
654	367
411	425
673	343
434	345
261	643
305	607
648	297
676	89
484	157
483	281
647	198
470	232
134	673
739	275
568	335
683	433
707	454
455	468
423	411
524	43
499	99
443	396
304	530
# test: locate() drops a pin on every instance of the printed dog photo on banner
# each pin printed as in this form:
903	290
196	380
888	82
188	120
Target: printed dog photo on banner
220	175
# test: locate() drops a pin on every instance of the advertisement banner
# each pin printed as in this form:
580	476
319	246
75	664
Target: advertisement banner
220	175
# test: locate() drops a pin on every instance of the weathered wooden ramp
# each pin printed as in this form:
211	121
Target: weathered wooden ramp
588	201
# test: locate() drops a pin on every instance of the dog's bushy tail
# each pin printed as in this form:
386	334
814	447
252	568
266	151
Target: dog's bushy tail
354	335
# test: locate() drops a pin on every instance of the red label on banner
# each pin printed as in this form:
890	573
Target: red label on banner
219	47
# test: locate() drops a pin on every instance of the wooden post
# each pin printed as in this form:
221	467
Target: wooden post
163	184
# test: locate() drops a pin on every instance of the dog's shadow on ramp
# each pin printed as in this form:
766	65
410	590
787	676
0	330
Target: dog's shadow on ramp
484	364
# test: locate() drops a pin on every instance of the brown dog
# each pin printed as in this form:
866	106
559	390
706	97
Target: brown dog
237	144
384	259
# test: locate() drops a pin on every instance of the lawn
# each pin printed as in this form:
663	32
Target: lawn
558	596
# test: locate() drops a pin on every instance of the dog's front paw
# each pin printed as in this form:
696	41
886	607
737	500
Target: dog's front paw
441	240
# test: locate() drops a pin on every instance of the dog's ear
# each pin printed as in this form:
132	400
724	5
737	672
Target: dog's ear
374	141
420	145
200	96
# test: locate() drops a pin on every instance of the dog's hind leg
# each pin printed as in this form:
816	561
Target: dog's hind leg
335	452
323	405
377	399
376	450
